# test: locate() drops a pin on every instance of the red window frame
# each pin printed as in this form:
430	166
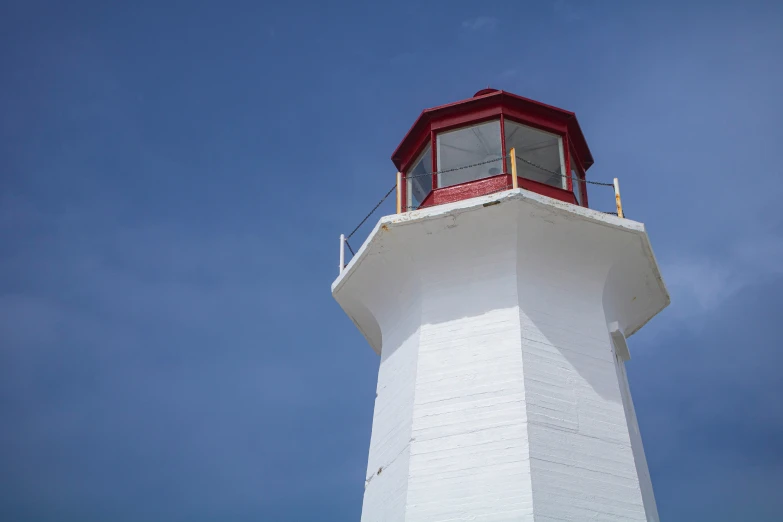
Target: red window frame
457	126
580	173
563	142
501	106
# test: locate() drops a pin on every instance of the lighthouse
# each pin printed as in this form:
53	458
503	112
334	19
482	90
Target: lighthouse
500	304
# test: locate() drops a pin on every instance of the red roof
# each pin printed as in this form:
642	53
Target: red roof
490	104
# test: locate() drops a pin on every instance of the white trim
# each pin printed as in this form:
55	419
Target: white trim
562	163
620	342
342	253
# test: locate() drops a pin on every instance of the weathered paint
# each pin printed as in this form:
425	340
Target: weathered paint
500	393
469	189
514	178
491	185
617	198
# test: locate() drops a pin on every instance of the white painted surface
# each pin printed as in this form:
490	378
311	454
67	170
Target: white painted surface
645	482
620	342
499	393
342	253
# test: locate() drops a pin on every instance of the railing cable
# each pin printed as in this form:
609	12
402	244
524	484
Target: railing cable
563	176
437	172
455	169
372	211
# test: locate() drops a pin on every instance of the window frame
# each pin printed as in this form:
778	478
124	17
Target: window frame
561	142
497	118
580	174
408	192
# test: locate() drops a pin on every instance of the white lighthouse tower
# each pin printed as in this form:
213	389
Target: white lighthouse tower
500	304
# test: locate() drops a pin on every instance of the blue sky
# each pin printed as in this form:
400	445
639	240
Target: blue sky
174	181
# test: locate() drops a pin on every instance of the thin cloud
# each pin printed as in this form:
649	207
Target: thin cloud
481	23
702	284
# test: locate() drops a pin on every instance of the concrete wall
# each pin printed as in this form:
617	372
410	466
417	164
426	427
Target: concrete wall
499	394
469	454
388	465
582	464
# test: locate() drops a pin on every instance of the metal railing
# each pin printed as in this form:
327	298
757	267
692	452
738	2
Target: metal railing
344	240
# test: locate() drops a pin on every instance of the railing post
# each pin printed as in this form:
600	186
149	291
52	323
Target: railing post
342	252
399	192
514	182
617	198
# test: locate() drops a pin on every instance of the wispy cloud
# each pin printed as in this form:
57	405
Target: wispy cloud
405	58
481	23
701	284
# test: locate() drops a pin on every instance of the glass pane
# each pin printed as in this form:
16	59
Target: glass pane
419	178
539	154
477	145
576	181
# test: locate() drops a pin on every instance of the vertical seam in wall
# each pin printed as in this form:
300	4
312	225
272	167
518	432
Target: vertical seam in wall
415	382
517	248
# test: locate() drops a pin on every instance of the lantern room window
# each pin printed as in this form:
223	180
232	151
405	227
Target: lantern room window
476	151
539	154
420	178
576	181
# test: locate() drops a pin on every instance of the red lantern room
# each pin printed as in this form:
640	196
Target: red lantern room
457	151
